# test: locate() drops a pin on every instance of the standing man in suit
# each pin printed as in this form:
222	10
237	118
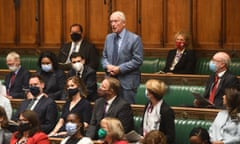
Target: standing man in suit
221	79
37	101
79	45
180	60
123	56
110	104
18	77
86	73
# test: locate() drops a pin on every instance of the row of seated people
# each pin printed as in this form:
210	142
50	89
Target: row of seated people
54	78
111	131
157	114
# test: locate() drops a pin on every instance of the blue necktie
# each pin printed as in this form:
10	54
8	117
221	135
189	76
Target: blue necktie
115	49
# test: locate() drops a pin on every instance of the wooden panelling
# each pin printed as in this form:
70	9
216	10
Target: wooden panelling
207	23
50	22
177	18
27	23
97	20
151	21
74	12
7	23
212	24
232	40
130	9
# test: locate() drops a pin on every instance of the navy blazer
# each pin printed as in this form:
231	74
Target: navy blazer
186	64
46	110
90	81
130	58
167	125
228	80
119	109
20	82
87	49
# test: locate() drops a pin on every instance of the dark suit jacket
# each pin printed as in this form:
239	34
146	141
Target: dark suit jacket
119	109
20	82
130	58
87	49
90	80
167	125
54	83
228	80
46	110
186	64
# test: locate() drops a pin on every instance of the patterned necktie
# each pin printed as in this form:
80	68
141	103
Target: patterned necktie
115	49
214	89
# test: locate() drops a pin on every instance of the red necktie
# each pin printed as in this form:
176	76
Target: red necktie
214	89
11	81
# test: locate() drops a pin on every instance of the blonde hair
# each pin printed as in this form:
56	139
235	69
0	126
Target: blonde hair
156	87
115	128
186	37
13	55
154	137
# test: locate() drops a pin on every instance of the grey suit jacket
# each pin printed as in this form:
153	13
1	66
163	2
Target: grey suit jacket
119	109
130	58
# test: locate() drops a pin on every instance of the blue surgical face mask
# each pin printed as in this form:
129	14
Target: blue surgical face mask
212	66
46	67
102	133
71	128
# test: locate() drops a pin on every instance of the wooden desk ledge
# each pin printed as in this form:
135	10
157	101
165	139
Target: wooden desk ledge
180	112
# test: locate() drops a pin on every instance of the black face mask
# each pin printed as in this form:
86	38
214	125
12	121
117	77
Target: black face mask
76	37
35	91
72	92
102	93
24	127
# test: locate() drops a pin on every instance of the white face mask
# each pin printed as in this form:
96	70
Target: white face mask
13	68
77	66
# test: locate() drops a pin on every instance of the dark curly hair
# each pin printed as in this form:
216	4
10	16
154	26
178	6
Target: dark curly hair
51	56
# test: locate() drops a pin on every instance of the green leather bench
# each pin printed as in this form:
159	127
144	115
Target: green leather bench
27	61
176	95
182	127
152	65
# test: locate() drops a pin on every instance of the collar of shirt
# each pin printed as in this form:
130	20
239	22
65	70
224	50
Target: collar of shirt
17	70
121	35
36	101
221	73
111	100
78	44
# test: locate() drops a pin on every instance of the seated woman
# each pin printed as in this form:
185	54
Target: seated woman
154	137
157	113
5	134
180	60
225	129
112	131
199	136
29	130
76	103
53	77
75	130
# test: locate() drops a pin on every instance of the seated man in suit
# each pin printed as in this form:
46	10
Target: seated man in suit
110	105
45	107
18	77
180	60
78	45
221	79
86	73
